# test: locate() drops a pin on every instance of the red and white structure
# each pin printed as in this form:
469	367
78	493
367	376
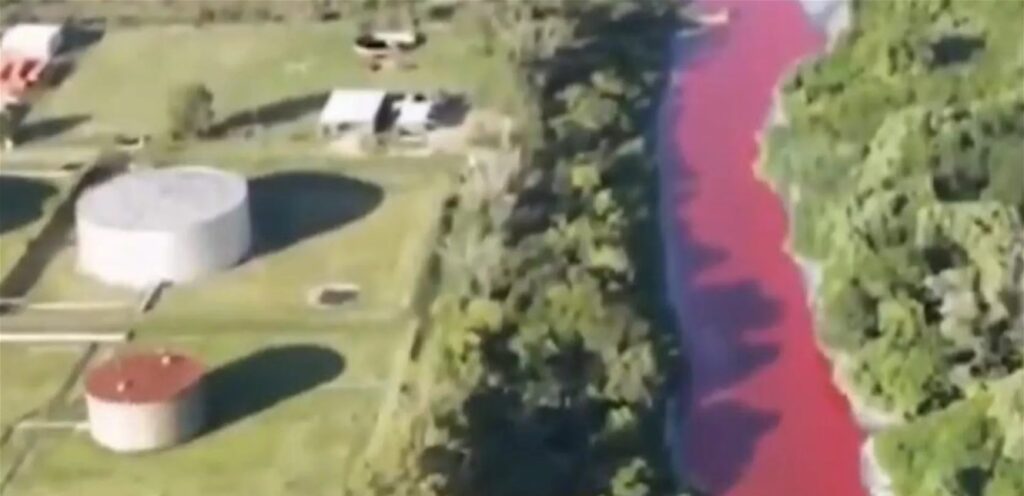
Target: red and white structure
26	50
145	401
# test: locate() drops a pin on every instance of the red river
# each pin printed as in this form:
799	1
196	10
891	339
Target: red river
762	417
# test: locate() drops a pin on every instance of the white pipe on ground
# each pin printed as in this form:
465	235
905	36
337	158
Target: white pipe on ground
66	337
76	305
75	425
49	174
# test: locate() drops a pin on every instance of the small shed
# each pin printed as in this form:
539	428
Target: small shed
415	114
351	109
36	41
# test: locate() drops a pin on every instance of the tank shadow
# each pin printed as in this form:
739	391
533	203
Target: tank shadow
258	381
729	432
271	114
290	207
50	127
21	201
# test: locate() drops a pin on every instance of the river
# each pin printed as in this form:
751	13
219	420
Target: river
762	417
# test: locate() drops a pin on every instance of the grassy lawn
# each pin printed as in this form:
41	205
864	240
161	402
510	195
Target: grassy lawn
295	389
30	376
246	67
369	223
317	220
304	405
299	447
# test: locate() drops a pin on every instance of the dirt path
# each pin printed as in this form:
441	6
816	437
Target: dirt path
764	418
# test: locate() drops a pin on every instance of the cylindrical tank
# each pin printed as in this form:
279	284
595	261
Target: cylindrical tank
145	401
163	225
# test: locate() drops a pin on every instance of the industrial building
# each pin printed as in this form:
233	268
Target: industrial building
375	111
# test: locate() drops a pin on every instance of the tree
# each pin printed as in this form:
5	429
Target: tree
190	111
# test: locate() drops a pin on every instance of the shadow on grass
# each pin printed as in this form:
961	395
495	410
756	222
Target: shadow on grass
258	381
289	207
278	112
49	127
78	37
21	201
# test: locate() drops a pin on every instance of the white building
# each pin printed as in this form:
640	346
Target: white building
349	109
37	41
163	225
415	114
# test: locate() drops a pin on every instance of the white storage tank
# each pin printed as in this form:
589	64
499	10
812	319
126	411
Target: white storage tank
163	225
145	401
32	40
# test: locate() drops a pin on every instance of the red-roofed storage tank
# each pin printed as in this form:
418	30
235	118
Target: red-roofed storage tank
145	401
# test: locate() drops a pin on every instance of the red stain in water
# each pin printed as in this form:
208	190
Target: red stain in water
765	419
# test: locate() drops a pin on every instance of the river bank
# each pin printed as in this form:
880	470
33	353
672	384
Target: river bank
762	404
844	162
832	18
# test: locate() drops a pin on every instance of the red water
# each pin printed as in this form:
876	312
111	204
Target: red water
764	418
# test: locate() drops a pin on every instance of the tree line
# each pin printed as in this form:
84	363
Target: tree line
549	359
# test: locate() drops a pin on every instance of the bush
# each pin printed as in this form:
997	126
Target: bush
190	111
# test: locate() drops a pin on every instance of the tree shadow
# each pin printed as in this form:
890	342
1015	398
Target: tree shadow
21	201
289	207
258	381
271	114
49	127
728	433
955	49
720	318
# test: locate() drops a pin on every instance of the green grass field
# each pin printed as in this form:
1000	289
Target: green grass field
370	223
246	67
304	406
30	376
318	219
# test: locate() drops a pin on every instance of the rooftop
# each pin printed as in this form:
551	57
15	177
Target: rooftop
144	377
346	106
162	199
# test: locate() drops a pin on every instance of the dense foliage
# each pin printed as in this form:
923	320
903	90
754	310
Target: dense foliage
973	447
549	364
189	111
902	161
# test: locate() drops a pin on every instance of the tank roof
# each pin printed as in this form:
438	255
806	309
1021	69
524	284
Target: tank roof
144	377
163	199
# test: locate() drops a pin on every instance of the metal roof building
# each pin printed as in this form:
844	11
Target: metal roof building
352	107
